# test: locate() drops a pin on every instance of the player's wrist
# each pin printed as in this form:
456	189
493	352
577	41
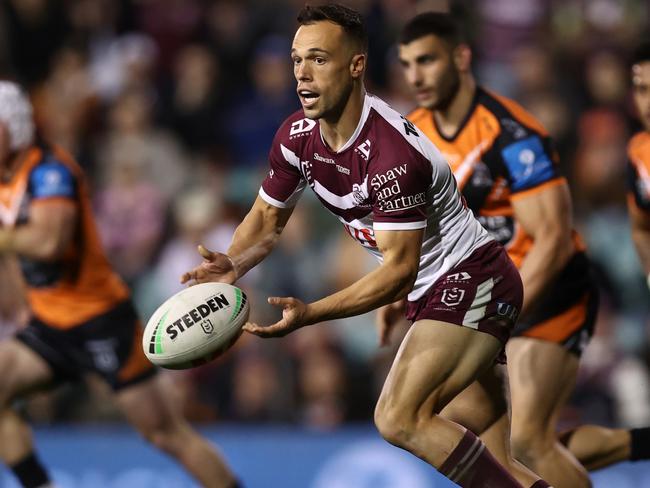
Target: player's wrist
235	267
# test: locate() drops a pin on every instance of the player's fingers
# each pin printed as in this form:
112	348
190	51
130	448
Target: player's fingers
190	275
384	335
205	253
281	301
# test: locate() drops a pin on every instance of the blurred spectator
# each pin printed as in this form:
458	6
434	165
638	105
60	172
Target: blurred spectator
196	101
130	213
258	112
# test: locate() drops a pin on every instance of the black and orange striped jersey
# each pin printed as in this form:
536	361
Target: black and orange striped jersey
638	153
499	153
80	285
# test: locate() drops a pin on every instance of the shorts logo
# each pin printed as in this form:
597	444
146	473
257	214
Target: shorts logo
452	296
462	276
508	311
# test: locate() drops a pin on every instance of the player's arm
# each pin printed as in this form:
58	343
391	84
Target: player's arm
47	234
391	281
640	221
546	216
253	240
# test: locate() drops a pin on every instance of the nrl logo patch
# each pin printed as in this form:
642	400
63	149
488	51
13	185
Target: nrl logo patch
452	296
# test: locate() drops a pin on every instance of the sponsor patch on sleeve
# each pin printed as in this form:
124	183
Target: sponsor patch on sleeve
52	179
528	163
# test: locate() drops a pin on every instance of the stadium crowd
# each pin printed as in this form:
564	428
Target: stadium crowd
171	106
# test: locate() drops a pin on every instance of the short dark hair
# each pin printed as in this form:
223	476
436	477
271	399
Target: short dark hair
349	19
642	53
439	24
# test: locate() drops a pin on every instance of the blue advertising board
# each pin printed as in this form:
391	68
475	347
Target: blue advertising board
264	457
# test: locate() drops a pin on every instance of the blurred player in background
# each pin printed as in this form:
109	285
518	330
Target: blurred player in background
507	171
639	158
83	319
397	197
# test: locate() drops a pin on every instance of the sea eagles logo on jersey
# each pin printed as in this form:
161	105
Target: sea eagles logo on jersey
364	149
359	196
301	127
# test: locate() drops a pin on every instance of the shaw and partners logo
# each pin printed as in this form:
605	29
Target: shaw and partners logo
388	191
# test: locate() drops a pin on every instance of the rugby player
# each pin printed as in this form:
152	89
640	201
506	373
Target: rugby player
639	158
506	168
396	196
83	320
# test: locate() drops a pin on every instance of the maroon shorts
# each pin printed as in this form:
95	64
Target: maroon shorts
482	292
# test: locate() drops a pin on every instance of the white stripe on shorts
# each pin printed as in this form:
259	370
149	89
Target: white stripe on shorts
478	307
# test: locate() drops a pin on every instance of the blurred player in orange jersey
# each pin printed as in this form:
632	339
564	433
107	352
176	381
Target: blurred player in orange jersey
83	319
507	170
639	157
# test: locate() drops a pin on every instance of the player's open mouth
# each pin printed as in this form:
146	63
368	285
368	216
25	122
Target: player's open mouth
308	97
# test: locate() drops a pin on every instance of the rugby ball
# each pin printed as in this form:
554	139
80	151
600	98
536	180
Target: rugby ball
195	325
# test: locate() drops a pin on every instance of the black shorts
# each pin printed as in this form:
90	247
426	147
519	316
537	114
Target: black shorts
109	345
567	313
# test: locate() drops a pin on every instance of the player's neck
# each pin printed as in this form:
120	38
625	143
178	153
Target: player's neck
337	130
450	119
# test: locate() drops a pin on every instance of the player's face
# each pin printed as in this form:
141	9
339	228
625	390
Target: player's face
322	58
641	91
430	71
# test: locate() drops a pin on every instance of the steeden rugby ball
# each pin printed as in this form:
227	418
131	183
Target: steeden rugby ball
195	325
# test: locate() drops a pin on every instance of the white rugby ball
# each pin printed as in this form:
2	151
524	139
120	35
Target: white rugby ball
195	325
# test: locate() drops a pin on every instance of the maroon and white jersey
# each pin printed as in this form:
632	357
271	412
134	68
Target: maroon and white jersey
388	176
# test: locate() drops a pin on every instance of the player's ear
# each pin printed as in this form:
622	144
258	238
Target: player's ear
462	56
358	65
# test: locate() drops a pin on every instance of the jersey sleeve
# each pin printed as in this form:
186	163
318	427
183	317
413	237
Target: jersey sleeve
399	193
284	182
528	156
52	179
639	183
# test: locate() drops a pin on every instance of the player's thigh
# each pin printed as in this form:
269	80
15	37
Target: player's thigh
147	407
483	403
23	370
436	361
541	377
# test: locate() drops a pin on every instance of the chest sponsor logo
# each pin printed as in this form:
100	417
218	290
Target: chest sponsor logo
514	127
323	159
388	190
452	296
364	149
301	127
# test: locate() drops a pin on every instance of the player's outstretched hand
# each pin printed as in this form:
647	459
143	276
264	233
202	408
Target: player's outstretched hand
216	266
387	317
293	315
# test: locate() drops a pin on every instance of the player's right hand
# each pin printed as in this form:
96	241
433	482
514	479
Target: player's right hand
387	317
216	266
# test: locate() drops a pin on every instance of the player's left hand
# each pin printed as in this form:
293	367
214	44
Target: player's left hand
293	317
